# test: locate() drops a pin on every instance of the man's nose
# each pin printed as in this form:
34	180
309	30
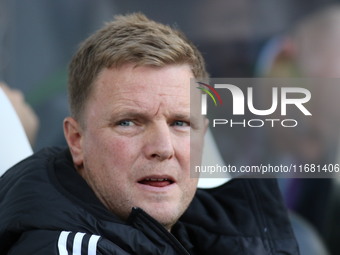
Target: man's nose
158	142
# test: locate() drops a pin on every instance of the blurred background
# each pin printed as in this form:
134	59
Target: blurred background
238	38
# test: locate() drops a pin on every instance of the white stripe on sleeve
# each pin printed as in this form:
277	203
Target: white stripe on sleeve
62	243
92	248
78	238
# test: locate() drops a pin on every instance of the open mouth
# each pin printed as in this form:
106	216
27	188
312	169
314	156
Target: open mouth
156	182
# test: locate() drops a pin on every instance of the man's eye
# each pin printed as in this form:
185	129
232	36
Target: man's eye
180	123
125	123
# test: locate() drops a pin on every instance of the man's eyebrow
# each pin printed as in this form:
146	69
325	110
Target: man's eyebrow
140	114
181	116
129	114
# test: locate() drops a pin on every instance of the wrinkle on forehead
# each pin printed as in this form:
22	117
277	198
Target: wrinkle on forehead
145	98
158	109
143	90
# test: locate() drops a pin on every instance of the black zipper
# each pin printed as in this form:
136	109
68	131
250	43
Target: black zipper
259	215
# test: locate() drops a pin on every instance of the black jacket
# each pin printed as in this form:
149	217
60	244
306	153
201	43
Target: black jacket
47	208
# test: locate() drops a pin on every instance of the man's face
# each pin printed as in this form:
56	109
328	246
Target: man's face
134	148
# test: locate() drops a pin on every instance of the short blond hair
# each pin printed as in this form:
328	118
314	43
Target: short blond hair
128	39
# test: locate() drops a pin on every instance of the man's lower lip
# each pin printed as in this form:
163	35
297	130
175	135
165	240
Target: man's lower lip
160	187
159	184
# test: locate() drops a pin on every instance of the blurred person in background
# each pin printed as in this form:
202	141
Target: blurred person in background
19	126
27	116
311	50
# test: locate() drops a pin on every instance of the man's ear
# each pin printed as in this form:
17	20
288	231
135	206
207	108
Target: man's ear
73	136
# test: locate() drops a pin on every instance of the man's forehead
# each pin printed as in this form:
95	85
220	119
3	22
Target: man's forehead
149	106
147	89
144	89
143	92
